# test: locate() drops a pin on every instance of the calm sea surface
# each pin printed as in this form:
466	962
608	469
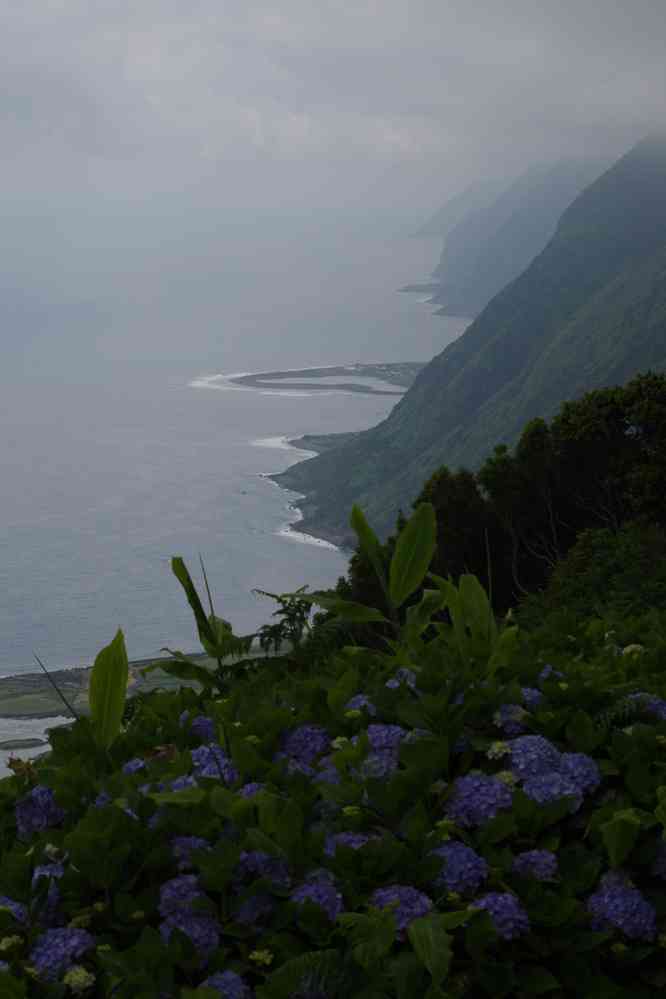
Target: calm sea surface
112	460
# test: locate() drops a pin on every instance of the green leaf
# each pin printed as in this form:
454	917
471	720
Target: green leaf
505	648
583	734
420	615
477	612
183	669
188	796
620	834
107	691
347	609
369	544
432	945
179	570
372	935
413	553
536	980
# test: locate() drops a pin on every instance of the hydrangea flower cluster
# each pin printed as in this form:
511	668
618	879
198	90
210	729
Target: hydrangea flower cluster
210	760
176	897
463	869
133	766
359	702
509	718
650	703
549	775
250	789
319	887
549	673
538	864
550	787
509	918
203	728
56	950
351	839
618	904
228	984
17	909
50	914
476	799
406	902
183	846
403	676
258	864
532	697
305	744
37	811
383	759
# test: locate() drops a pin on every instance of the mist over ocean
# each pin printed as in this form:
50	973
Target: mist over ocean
112	461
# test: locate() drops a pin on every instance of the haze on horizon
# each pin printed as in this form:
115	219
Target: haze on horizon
147	148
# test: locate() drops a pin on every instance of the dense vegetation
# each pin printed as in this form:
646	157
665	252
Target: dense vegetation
588	313
475	808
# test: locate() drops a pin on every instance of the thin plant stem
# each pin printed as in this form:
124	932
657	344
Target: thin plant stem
56	688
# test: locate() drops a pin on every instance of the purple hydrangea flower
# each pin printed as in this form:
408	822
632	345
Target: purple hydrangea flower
551	787
102	800
327	771
306	743
532	697
385	737
203	728
463	869
403	676
351	839
322	892
539	864
56	950
183	846
581	770
50	914
508	916
202	929
17	909
379	766
228	984
532	755
477	798
249	790
211	761
37	811
133	766
182	782
619	905
360	702
548	673
257	864
411	903
178	893
509	717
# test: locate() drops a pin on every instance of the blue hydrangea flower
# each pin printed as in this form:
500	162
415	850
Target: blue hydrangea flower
581	770
619	905
509	918
532	755
133	766
403	676
202	929
549	673
532	697
37	811
56	950
102	800
323	893
183	846
360	702
203	728
538	864
17	909
380	765
50	914
551	787
180	783
476	799
351	839
509	718
228	984
463	869
410	904
178	893
385	737
306	743
258	864
210	760
250	789
650	703
327	771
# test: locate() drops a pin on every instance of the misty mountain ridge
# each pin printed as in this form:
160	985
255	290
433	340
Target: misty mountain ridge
589	312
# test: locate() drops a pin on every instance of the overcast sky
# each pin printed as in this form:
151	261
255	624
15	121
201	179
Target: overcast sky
132	125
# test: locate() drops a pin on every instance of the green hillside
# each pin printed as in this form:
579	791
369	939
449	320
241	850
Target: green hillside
589	312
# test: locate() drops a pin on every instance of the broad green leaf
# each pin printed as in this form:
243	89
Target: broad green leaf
477	612
420	615
413	553
620	834
368	543
347	609
432	945
451	602
583	734
187	797
505	648
107	690
184	669
536	980
179	570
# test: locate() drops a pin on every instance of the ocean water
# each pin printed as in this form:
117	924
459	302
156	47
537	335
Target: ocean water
121	449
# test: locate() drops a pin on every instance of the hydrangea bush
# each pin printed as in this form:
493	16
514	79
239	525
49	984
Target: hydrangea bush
358	830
